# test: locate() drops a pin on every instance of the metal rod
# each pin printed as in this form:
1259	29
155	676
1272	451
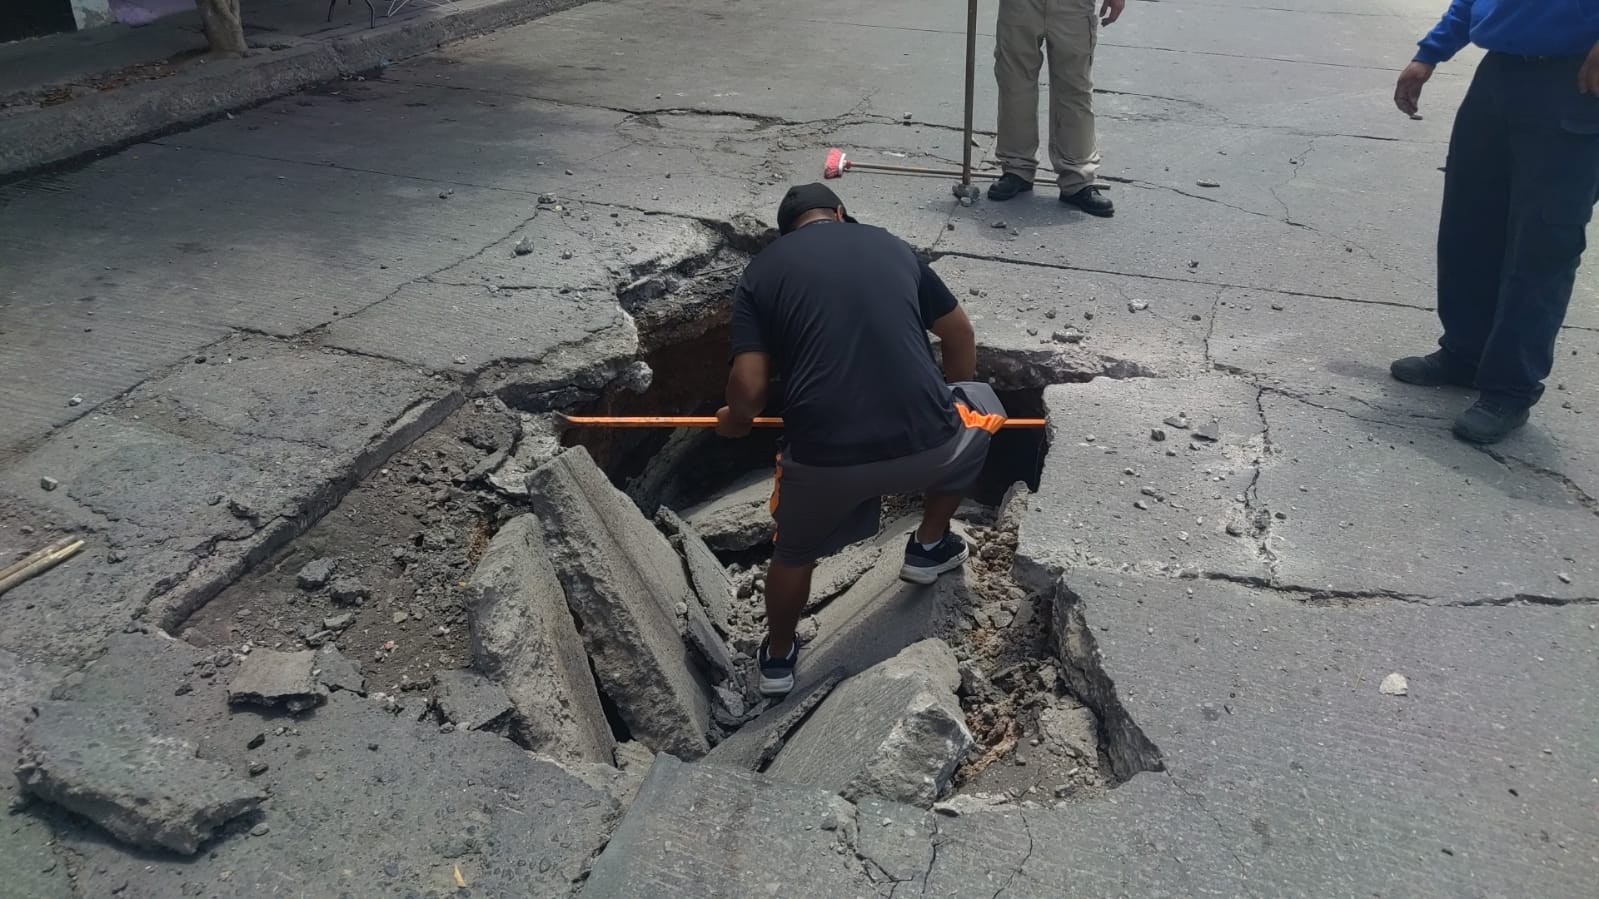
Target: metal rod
709	421
971	80
885	169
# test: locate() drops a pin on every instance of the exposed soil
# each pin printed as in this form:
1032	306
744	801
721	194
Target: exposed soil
410	536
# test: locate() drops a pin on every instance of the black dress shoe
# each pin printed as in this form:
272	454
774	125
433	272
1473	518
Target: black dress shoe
1091	201
1008	186
1490	419
1436	369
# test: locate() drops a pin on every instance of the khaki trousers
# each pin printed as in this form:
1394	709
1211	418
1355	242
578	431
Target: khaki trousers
1070	31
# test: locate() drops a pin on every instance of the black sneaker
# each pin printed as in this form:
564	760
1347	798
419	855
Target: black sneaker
1490	419
1437	369
1008	186
777	675
923	566
1091	201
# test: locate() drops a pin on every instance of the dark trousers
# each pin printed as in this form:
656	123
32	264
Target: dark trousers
1521	182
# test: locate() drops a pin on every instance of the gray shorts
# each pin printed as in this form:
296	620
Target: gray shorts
819	510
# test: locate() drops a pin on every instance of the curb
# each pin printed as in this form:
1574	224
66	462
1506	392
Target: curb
113	120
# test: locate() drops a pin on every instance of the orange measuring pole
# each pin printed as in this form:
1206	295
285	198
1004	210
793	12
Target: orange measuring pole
709	421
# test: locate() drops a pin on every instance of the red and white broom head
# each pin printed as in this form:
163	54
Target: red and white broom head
837	164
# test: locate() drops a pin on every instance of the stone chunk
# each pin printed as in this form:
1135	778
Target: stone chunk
470	701
266	677
314	575
336	672
895	731
624	583
524	639
705	572
148	790
738	518
349	591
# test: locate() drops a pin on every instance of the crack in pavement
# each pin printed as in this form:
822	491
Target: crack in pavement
1582	497
934	840
1260	516
1061	266
1028	829
1221	829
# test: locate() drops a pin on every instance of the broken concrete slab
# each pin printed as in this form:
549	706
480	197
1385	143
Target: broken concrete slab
379	803
881	614
1262	701
840	571
705	572
1091	509
524	638
336	672
1146	838
1017	309
110	766
895	731
270	678
624	583
706	830
702	636
754	745
25	840
470	701
738	517
1345	515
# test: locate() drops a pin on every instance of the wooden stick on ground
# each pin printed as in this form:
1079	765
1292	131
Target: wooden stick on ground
35	556
39	562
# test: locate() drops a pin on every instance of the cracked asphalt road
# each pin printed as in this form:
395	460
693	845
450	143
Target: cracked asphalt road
342	260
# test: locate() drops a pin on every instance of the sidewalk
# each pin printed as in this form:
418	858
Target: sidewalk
77	94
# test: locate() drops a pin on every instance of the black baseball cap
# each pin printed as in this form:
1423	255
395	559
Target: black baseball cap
802	198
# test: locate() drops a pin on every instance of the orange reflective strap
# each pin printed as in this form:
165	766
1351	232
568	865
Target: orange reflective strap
990	423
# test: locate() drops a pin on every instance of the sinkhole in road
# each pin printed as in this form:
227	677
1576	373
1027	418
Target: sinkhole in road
402	546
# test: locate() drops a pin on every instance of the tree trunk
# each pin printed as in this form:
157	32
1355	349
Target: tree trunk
224	27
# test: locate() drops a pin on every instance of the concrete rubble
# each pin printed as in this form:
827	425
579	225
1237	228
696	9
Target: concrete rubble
336	672
705	571
523	638
738	518
470	701
624	582
894	731
273	678
374	803
146	789
755	744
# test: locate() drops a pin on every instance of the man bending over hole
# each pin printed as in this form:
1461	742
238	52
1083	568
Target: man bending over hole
841	312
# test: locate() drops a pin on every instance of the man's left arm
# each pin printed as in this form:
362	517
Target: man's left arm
1111	10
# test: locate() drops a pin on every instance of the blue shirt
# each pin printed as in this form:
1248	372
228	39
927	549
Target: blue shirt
1520	27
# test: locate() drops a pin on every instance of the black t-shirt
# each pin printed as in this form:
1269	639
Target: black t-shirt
843	311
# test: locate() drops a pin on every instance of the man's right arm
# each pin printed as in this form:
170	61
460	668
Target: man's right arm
942	315
1452	33
1449	37
750	371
